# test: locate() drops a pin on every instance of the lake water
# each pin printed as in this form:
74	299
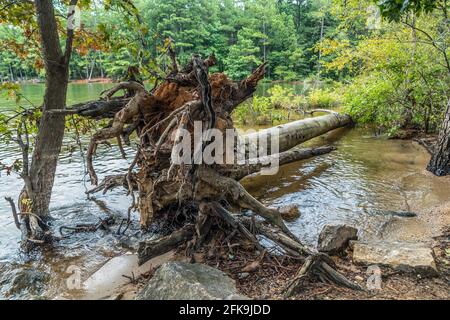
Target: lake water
356	184
81	92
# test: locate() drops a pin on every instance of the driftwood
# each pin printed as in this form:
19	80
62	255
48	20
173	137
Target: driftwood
285	157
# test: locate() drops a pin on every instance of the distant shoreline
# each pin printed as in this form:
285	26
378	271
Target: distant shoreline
93	80
78	81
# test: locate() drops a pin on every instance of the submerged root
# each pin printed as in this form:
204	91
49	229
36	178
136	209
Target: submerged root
34	230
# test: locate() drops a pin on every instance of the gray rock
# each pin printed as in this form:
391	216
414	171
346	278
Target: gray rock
106	281
22	282
404	256
180	280
289	212
243	275
335	238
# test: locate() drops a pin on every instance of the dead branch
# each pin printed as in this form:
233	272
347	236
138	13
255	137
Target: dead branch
14	211
152	248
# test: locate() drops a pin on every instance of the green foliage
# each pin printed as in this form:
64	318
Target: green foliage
323	98
282	97
394	9
242	57
280	104
395	76
368	105
258	111
255	112
116	34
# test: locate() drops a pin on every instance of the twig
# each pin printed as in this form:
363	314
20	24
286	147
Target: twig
14	211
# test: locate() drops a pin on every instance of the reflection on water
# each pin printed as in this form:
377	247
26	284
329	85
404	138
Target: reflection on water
356	184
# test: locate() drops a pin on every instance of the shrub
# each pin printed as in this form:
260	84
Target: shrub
323	98
258	111
282	97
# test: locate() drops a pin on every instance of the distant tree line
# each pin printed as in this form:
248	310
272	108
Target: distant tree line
242	34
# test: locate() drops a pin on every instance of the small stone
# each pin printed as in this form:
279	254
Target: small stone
243	275
289	212
334	239
359	278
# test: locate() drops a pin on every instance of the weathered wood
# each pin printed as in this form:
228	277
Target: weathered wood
170	112
293	133
98	109
321	266
152	248
282	239
14	212
317	264
236	224
237	172
293	155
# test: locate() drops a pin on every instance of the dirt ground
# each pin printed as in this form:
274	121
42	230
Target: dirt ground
260	277
395	285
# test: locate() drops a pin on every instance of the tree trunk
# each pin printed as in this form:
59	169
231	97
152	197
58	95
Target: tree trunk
296	132
440	161
40	177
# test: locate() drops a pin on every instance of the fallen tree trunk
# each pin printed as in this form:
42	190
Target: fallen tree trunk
99	109
293	155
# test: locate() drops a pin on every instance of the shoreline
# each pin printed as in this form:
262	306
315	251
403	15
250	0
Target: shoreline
93	80
77	81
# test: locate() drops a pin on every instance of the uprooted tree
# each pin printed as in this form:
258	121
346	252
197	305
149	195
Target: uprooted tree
204	197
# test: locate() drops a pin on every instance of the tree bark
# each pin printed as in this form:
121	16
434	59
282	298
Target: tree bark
440	161
296	132
39	181
285	157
